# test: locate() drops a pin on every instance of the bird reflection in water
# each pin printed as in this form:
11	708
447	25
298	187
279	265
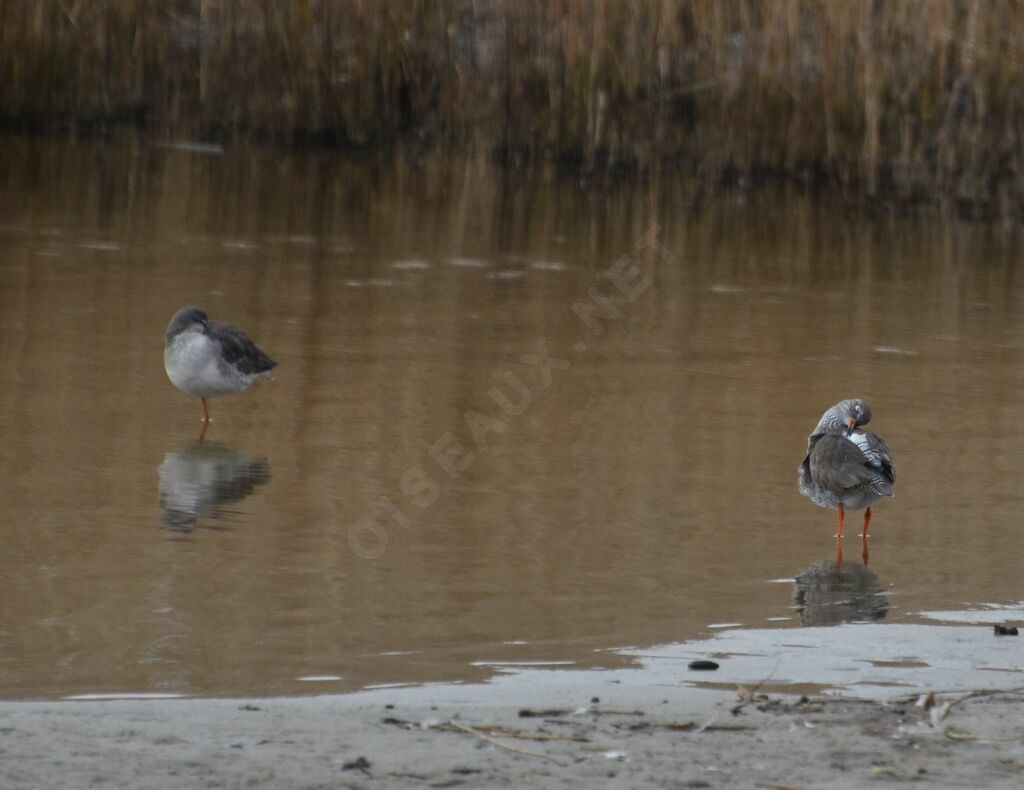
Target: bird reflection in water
829	593
201	480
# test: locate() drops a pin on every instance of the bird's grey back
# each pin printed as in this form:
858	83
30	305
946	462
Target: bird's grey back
239	351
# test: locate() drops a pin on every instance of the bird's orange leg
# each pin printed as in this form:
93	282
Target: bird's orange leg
839	537
867	523
202	433
206	411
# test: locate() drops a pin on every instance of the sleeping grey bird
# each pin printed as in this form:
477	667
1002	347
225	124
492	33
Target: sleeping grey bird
845	467
206	359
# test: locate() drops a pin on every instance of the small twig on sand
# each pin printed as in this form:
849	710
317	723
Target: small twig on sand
525	713
495	742
977	693
613	712
499	731
687	726
751	692
938	711
710	726
944	709
985	693
956	734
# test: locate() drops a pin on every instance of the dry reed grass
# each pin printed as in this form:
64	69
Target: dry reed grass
919	99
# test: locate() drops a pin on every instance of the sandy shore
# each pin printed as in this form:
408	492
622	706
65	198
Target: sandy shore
451	736
653	723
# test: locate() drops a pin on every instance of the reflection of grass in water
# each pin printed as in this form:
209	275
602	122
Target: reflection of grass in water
920	97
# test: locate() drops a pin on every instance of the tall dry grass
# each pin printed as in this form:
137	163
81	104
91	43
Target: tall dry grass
915	98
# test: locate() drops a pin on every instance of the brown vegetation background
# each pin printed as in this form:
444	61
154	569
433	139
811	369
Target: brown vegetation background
917	99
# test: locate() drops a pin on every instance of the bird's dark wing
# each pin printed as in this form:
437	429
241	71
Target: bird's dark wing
836	463
864	459
887	463
882	465
239	350
877	452
804	480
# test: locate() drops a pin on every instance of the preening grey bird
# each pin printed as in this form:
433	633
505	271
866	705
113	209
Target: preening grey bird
846	468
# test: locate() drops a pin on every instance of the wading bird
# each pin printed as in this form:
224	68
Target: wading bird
206	359
846	468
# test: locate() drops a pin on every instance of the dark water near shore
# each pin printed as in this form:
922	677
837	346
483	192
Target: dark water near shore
467	457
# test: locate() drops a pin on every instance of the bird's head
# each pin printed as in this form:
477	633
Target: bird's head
846	415
186	318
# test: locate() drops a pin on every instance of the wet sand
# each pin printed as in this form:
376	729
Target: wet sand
813	707
628	737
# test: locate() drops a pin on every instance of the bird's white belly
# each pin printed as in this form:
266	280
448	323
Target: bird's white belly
194	366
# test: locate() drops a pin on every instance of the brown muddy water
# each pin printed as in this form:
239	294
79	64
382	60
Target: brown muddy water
467	460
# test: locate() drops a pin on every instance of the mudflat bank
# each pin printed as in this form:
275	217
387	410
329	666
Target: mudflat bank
470	736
